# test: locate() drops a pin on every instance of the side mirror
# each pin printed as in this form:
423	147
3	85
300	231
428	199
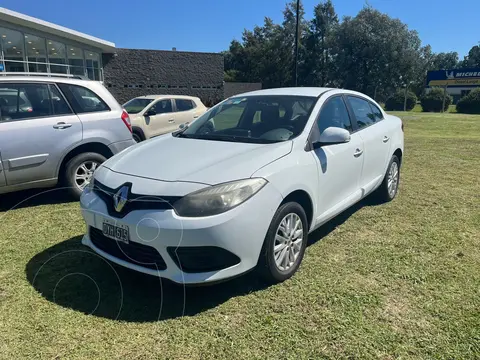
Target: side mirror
183	126
150	112
330	136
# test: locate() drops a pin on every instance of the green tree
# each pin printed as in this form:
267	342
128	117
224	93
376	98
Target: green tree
472	60
375	53
445	60
318	69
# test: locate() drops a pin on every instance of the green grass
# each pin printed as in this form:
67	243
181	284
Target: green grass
400	280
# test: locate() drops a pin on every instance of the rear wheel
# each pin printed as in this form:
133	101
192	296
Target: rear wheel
285	243
389	187
137	137
79	171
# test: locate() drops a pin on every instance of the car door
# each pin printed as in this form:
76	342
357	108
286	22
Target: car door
375	137
185	110
33	139
339	165
164	120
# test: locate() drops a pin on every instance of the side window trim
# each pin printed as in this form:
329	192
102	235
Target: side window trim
64	99
68	92
375	107
45	83
157	102
176	107
353	113
315	128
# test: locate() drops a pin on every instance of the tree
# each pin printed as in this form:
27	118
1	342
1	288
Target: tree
472	60
445	61
376	53
319	65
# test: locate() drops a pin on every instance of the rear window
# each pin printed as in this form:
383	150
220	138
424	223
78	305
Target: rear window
82	99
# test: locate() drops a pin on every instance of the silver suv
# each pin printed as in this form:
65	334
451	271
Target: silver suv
55	129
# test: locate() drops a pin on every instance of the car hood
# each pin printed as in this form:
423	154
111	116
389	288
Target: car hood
170	158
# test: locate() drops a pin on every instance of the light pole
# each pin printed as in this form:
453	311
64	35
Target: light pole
295	75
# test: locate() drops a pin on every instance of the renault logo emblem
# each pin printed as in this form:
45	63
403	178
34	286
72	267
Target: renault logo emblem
120	198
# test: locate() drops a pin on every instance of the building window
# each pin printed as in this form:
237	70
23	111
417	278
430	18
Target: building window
92	60
36	53
75	60
57	57
13	50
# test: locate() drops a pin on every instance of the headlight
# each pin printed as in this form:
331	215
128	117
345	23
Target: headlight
218	199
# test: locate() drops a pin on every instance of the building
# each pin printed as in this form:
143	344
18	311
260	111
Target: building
31	45
457	82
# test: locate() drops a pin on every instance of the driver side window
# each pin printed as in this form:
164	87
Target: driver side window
334	113
163	106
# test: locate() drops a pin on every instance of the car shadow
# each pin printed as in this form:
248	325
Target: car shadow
73	276
34	197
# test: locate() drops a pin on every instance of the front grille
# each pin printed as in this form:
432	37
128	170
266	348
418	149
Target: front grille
132	252
193	259
134	202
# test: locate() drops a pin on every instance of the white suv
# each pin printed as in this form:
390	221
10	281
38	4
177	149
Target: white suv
242	186
154	115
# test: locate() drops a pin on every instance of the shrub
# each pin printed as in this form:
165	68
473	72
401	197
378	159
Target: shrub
396	101
470	104
432	101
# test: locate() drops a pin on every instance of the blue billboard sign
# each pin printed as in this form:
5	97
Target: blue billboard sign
454	77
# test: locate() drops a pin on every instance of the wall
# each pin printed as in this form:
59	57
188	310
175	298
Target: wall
130	73
235	88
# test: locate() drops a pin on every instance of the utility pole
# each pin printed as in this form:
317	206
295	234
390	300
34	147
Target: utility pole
296	45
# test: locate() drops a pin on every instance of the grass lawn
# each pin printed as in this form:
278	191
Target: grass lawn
400	280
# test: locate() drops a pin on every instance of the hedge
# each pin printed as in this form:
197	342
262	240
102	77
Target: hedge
470	104
396	101
432	101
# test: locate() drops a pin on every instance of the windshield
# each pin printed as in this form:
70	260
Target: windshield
134	106
259	119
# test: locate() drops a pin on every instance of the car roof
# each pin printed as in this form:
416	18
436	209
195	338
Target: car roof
298	91
166	96
56	79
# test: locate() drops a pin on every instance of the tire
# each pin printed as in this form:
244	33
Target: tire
73	165
384	193
137	137
267	264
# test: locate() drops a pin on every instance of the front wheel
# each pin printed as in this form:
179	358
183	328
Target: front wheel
285	243
79	171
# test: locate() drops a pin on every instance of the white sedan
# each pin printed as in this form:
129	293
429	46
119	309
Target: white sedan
243	185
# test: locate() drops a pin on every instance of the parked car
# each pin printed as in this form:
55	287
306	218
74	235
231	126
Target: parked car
57	129
154	115
242	186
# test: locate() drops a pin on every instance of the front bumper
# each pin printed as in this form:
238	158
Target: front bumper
240	232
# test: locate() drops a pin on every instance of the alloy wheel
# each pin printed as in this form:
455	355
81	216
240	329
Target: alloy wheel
84	173
392	179
288	241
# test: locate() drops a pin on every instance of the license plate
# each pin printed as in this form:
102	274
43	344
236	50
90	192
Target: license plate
116	232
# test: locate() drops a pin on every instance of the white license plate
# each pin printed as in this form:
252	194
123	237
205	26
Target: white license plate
116	231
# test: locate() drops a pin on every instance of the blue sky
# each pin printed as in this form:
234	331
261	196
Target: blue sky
210	25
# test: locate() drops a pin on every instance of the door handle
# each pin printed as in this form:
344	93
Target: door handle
171	120
195	116
358	152
62	125
385	139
